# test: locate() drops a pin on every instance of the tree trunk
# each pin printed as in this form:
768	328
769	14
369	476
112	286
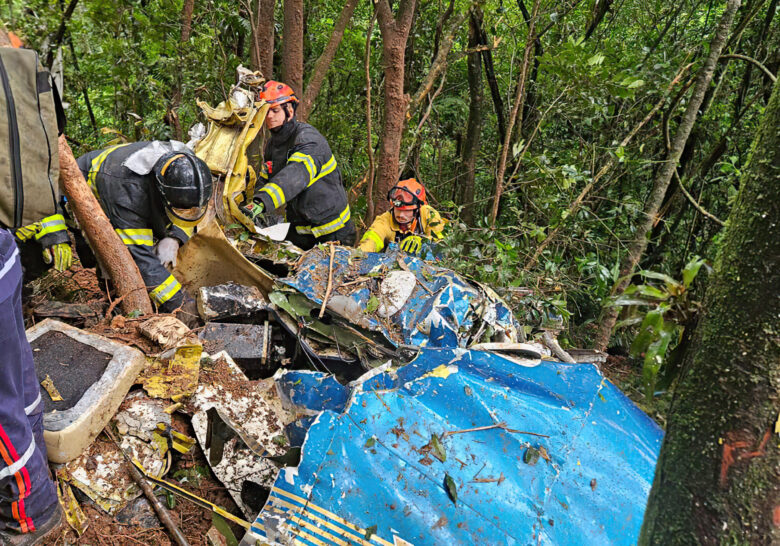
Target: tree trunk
110	249
495	93
370	206
261	56
292	45
718	476
518	107
665	173
474	125
325	59
60	35
186	19
600	9
395	32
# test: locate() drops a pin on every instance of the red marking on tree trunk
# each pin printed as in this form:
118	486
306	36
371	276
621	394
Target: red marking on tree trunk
730	457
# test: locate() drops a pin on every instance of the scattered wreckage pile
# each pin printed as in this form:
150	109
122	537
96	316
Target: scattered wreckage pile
356	399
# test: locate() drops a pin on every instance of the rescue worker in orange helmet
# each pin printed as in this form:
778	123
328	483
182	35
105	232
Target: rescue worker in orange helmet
409	222
300	171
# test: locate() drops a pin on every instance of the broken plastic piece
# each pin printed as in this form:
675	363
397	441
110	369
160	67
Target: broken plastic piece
48	384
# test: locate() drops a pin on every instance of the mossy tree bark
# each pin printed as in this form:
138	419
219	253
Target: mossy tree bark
718	475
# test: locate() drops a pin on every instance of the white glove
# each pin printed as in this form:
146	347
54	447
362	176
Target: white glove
166	250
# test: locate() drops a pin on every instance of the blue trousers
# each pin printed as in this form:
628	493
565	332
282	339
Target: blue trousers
27	492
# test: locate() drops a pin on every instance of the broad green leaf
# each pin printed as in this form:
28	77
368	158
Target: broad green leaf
636	83
652	292
224	529
690	270
661	277
596	59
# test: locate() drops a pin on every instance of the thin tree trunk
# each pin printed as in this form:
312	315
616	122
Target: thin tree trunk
292	45
474	125
395	32
665	173
517	108
186	19
110	249
325	59
439	64
600	9
440	27
370	208
262	50
717	479
495	93
60	35
83	85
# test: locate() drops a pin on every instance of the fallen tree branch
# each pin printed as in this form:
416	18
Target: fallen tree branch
330	279
696	205
766	71
489	427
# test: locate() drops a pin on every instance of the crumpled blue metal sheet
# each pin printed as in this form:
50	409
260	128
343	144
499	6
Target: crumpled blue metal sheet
445	310
365	471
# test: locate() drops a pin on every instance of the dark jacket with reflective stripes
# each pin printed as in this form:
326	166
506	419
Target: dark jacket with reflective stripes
301	171
135	209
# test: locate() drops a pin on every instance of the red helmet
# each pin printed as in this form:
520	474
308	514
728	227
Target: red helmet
276	93
407	195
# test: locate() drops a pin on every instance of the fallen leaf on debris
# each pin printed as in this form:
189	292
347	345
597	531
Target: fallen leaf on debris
593	484
166	331
437	449
371	531
441	523
531	456
118	322
452	490
544	454
48	384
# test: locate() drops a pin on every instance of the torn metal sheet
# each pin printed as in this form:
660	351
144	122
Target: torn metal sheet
176	378
73	513
229	300
433	453
101	472
405	299
253	405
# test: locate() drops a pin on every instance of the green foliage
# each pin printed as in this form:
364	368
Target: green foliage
662	312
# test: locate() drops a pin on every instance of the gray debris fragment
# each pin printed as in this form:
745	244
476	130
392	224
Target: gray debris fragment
229	300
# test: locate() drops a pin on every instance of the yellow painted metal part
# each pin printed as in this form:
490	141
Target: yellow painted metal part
177	379
209	259
73	513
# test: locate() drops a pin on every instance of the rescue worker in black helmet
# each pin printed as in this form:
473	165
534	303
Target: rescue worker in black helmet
154	194
300	172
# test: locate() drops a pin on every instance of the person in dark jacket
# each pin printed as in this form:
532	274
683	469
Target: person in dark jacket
300	172
153	193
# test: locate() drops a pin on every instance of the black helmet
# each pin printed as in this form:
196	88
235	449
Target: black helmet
184	182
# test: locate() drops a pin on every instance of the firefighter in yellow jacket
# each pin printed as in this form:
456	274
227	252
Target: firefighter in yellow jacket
408	223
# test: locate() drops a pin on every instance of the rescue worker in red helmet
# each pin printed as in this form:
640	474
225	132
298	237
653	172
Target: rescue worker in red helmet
408	223
300	172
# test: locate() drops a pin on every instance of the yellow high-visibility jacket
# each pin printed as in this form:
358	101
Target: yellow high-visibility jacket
386	230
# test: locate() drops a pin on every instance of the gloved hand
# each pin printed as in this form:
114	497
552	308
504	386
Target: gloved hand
166	250
411	244
61	254
253	210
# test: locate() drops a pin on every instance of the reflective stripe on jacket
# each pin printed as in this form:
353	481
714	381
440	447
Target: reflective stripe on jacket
385	229
136	211
302	173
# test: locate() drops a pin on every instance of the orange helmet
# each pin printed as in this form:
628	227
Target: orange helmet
407	195
276	93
